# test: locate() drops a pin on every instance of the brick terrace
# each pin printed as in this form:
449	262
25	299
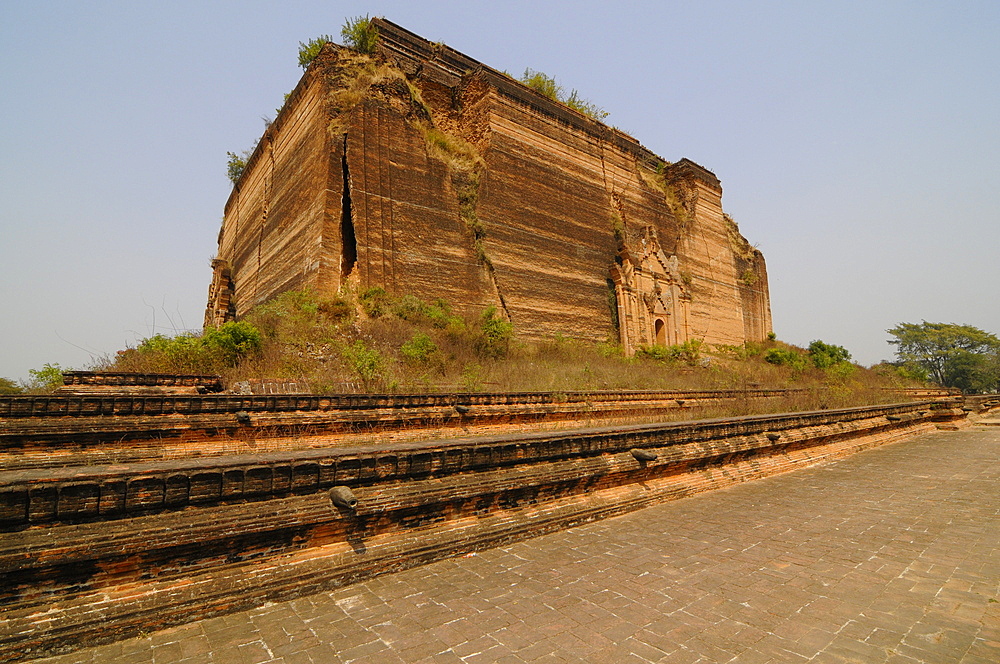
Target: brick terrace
891	555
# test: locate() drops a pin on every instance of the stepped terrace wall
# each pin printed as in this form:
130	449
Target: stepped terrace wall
92	552
48	431
424	172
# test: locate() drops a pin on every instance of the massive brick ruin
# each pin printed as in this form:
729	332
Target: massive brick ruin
424	172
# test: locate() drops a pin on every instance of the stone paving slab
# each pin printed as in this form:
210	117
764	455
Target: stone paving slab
892	555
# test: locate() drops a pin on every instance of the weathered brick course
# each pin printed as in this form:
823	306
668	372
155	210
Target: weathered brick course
157	542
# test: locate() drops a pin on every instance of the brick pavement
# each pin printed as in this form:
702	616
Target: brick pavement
892	555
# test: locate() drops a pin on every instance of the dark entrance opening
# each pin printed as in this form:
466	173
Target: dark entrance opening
660	332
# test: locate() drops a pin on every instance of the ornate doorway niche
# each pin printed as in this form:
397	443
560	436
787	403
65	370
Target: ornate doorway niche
652	298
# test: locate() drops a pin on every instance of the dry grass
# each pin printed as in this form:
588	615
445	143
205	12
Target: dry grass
413	346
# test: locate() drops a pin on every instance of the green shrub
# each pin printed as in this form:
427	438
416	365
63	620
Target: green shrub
217	349
236	164
419	349
360	34
309	50
159	353
786	357
688	352
585	106
825	355
658	353
547	85
497	335
375	301
905	371
841	370
439	313
300	317
366	363
232	341
542	83
409	308
471	378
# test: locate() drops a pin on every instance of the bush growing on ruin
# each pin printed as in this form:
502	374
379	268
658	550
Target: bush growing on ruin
414	345
310	49
374	302
236	164
359	34
578	103
214	351
786	357
544	84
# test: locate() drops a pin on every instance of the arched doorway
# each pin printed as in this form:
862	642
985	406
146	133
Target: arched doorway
660	332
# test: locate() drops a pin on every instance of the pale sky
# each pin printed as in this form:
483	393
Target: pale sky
858	144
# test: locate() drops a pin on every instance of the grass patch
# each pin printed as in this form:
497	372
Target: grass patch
383	343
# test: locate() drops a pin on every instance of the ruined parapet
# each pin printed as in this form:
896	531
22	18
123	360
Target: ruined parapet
121	383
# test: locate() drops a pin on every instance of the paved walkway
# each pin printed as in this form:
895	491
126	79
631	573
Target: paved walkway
892	555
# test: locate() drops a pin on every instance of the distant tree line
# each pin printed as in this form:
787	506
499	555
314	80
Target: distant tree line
959	356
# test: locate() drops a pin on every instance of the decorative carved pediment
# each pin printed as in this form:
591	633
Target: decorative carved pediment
652	297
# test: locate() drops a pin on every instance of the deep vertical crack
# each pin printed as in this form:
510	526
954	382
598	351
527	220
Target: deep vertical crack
348	239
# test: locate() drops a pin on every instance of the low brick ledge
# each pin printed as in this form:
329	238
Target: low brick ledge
162	569
78	493
19	406
212	382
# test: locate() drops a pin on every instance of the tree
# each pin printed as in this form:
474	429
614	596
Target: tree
7	386
46	379
959	356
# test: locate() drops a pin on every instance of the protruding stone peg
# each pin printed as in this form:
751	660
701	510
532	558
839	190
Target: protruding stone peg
243	417
462	409
643	455
342	496
772	435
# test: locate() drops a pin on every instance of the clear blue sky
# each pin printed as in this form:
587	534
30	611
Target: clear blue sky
858	144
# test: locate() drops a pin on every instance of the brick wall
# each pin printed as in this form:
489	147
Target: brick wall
97	552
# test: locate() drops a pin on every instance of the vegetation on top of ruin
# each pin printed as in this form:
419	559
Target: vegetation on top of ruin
543	83
676	188
360	34
310	49
236	164
739	244
357	33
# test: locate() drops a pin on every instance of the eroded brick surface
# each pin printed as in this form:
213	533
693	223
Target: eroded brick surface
891	555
